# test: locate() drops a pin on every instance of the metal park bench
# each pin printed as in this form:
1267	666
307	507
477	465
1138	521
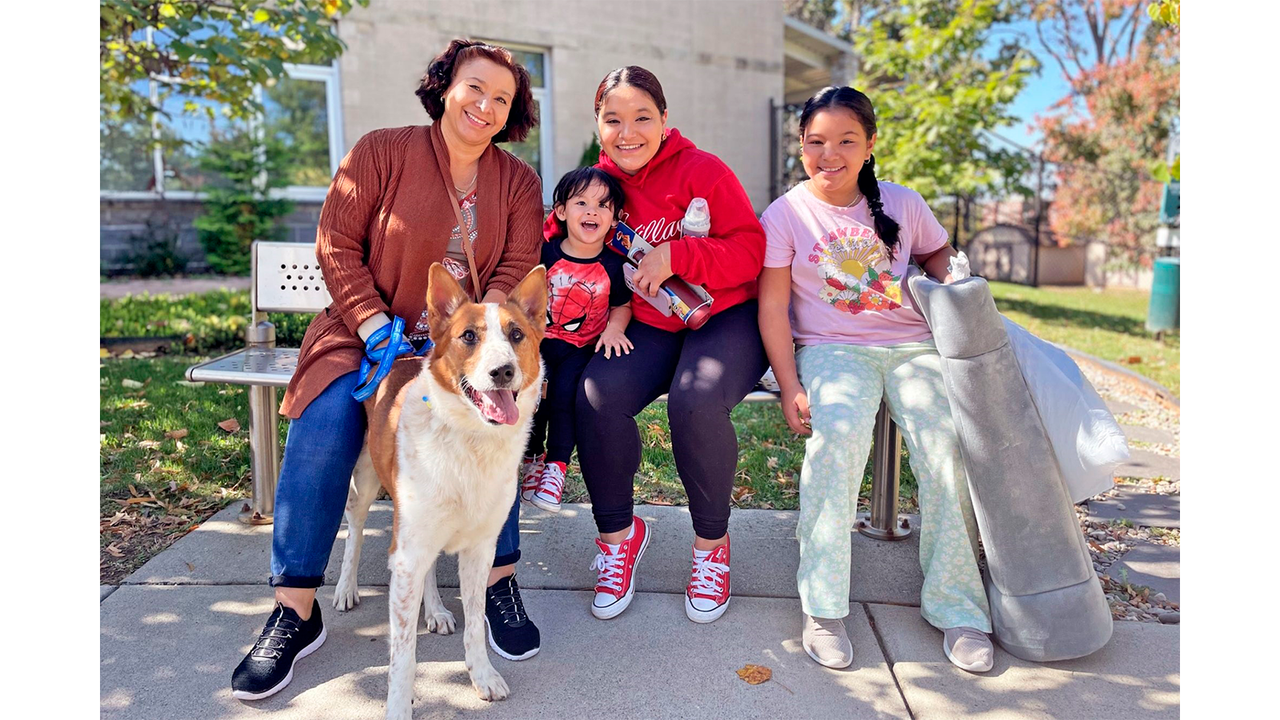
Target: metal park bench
286	278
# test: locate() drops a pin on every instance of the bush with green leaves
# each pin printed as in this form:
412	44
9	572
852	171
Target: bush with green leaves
239	208
208	323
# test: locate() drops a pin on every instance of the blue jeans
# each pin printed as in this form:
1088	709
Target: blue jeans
315	475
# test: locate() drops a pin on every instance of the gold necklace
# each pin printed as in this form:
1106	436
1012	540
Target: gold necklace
463	192
856	197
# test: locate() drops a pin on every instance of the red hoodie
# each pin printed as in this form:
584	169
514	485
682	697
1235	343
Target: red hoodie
729	261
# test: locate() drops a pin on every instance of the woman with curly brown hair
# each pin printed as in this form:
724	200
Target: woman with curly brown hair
385	220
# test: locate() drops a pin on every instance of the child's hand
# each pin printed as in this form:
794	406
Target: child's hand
613	340
795	408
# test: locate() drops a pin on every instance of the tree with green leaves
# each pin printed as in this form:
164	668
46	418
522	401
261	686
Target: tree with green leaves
238	206
937	85
214	50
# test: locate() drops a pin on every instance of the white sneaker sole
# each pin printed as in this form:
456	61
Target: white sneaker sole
614	610
707	616
488	631
973	668
288	678
541	504
827	664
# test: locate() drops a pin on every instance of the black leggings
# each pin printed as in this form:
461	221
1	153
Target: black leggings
706	373
554	422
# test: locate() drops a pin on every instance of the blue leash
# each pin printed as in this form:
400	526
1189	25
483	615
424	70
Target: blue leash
397	345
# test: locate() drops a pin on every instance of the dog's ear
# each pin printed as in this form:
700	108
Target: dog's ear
531	296
444	294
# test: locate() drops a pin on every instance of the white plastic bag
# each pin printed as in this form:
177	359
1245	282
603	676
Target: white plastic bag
1087	442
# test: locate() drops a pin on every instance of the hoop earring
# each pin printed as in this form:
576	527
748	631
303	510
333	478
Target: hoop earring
867	161
664	135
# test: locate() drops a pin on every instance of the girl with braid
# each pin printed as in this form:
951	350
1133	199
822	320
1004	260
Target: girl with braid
840	341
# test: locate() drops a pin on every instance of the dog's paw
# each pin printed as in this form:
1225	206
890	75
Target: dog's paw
441	622
489	684
400	713
346	596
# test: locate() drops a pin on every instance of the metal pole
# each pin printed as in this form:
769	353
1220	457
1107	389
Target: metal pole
1035	272
264	449
886	464
264	432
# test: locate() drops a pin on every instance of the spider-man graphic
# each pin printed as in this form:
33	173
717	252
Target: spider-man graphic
578	301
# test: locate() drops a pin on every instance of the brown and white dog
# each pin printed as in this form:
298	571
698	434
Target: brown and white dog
445	439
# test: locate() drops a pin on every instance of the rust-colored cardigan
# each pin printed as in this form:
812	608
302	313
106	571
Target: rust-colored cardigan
385	219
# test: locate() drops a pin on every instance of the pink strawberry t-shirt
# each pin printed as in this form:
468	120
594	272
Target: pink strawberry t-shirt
844	287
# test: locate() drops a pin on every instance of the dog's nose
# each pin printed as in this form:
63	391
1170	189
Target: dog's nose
502	375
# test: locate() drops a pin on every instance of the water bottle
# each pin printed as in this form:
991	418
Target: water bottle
692	306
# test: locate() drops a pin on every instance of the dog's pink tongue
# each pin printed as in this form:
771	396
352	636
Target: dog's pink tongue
500	406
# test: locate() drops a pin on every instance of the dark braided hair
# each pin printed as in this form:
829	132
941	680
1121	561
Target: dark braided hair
860	105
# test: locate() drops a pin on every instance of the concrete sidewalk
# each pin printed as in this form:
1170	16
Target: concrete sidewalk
171	635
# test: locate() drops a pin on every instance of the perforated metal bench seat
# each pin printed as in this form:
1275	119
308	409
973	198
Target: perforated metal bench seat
272	367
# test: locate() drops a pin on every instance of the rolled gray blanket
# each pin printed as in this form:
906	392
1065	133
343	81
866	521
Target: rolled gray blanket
1046	601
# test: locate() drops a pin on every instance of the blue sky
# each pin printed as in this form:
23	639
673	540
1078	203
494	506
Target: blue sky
1040	92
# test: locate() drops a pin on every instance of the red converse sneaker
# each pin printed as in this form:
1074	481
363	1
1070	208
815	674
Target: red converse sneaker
615	585
707	596
549	488
530	470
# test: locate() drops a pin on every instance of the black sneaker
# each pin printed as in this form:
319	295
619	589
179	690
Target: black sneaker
268	667
511	633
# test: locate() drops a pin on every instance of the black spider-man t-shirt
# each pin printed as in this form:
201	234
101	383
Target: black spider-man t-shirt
580	292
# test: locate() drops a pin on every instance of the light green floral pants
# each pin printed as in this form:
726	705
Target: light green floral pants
845	384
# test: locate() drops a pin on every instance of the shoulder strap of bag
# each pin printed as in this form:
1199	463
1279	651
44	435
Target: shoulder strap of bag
463	228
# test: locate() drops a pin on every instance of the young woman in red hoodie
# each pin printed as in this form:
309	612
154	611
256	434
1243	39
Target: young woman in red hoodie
706	372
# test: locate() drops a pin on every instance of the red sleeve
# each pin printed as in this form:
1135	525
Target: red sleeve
734	252
342	233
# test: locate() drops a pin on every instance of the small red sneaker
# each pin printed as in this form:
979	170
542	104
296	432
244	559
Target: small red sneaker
707	596
530	470
550	487
615	585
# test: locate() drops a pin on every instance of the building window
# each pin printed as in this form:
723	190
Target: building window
302	109
537	147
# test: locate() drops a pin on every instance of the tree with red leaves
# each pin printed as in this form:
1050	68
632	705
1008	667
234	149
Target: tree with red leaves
1106	134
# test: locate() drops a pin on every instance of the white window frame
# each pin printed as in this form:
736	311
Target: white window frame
542	95
328	74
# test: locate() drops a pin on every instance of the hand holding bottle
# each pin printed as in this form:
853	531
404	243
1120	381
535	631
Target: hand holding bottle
654	269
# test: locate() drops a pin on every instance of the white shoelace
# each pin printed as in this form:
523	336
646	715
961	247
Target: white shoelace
609	565
530	471
553	481
707	576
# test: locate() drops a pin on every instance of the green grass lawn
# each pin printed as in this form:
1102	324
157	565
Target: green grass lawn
166	464
1109	325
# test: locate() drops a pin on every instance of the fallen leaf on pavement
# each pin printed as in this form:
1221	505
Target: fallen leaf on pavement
191	568
658	501
177	434
755	674
230	425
